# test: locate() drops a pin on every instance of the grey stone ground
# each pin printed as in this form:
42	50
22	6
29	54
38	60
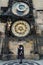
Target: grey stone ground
38	61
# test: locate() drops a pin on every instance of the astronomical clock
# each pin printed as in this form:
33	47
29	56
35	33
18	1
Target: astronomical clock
21	30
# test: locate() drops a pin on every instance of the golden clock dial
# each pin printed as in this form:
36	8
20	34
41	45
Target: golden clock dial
20	28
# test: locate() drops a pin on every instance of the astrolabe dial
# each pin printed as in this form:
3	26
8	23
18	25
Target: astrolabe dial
20	9
20	28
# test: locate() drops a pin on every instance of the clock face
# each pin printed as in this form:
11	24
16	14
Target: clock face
20	28
20	9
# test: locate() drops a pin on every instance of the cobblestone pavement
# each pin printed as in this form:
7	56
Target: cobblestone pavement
25	62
